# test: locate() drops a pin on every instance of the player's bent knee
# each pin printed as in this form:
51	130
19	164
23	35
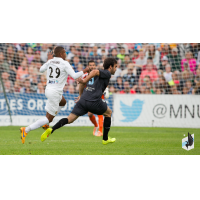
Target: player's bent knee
50	120
63	103
90	114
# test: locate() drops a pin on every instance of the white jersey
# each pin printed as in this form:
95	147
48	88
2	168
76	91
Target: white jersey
57	73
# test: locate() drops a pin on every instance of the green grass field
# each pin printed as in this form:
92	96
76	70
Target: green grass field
80	141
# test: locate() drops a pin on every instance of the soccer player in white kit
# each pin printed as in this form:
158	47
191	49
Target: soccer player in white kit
57	73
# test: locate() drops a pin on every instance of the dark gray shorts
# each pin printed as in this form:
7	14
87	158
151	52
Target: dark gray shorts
96	107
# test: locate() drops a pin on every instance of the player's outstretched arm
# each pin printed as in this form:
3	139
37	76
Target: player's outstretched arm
75	75
92	74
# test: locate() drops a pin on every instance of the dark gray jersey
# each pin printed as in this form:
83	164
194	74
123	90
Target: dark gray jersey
96	86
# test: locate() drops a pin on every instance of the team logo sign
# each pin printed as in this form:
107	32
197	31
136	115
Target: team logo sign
131	113
188	142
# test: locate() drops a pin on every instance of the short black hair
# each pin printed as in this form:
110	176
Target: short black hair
57	50
109	62
150	58
90	61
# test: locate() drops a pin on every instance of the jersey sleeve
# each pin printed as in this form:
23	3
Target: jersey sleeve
104	74
71	72
43	68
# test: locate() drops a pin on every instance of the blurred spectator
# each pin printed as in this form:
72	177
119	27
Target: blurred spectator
22	71
175	60
102	51
80	68
125	71
159	91
121	55
189	87
26	87
130	46
40	89
65	89
186	68
135	55
12	73
111	90
126	60
82	59
194	48
110	46
71	54
168	74
37	47
185	90
126	88
147	90
75	63
184	78
113	54
37	67
17	87
30	55
71	89
150	72
165	50
183	48
190	60
43	80
142	88
130	76
141	60
164	85
174	90
154	54
84	51
34	83
37	57
164	62
10	55
4	67
196	89
22	47
119	84
8	86
18	58
94	56
149	61
44	52
94	51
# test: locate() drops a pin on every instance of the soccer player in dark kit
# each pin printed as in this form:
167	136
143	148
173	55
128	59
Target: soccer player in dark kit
90	101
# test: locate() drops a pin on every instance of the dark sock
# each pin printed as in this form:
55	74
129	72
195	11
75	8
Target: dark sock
106	127
59	124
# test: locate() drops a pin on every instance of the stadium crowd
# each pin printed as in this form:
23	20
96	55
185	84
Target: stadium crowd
143	68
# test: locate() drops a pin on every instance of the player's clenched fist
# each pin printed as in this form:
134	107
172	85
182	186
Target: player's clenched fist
79	80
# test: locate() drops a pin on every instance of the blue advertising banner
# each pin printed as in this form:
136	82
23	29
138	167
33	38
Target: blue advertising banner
34	104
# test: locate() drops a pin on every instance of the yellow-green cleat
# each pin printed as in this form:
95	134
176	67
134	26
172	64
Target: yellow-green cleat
110	140
46	134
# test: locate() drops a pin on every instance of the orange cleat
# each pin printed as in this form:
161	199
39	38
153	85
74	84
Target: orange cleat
45	127
99	134
95	131
23	134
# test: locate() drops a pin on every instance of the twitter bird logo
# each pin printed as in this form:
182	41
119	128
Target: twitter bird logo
131	112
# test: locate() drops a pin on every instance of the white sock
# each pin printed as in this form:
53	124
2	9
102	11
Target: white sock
37	124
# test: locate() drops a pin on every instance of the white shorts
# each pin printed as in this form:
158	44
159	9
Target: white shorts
53	101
